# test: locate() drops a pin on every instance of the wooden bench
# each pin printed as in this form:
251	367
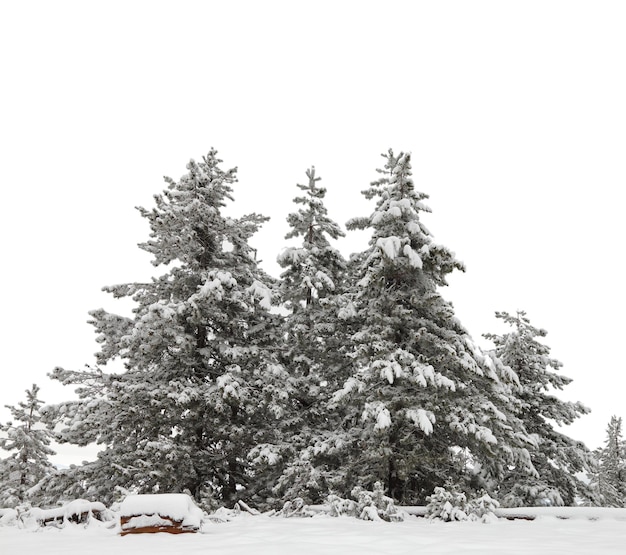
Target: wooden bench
173	513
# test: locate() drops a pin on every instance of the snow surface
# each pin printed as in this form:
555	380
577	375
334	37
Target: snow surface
246	534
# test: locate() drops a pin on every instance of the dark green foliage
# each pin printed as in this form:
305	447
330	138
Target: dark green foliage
421	400
340	377
311	289
202	385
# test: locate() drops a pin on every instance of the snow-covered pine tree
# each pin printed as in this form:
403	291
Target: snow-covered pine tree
609	479
202	385
556	457
312	271
28	442
422	402
310	286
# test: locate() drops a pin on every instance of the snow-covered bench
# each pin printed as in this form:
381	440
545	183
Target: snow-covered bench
532	513
175	513
79	511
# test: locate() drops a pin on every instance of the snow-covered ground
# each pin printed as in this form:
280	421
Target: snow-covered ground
247	534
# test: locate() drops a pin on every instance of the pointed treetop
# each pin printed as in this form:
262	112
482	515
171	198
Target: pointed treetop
187	225
525	354
399	239
313	269
29	410
312	221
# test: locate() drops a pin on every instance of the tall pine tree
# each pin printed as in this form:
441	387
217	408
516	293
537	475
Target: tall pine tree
422	404
556	457
28	442
202	385
311	285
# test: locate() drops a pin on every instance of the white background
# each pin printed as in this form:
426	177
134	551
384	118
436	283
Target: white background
514	113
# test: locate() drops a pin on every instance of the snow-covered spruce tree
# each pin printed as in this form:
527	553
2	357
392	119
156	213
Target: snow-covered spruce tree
28	442
422	402
310	286
202	385
312	271
609	480
556	457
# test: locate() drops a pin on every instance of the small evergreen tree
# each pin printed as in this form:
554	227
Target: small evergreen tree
556	458
609	480
203	385
28	441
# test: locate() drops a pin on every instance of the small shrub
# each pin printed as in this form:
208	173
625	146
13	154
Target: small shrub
337	506
452	505
483	508
295	508
369	505
446	505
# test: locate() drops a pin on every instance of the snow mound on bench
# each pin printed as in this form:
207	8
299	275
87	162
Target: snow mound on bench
178	507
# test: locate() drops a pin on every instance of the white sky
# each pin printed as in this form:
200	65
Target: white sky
514	113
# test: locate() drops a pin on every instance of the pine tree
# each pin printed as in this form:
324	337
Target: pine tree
310	287
422	404
203	386
556	457
609	482
312	271
28	440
